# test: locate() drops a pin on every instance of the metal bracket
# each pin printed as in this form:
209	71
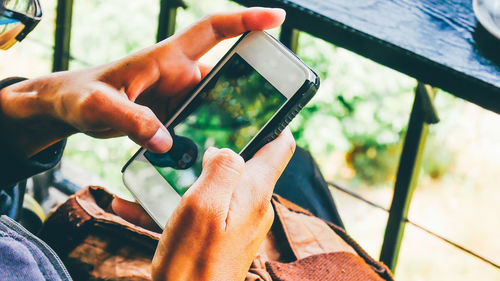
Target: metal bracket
167	17
425	95
423	113
289	36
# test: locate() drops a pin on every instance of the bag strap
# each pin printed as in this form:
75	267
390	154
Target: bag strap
284	208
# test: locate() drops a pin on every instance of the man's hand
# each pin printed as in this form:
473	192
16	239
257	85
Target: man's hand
130	97
223	218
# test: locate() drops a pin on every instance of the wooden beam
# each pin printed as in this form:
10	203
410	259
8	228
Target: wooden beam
62	36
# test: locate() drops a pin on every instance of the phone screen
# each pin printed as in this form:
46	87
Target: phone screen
228	112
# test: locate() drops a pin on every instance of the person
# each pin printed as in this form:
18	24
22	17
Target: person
215	232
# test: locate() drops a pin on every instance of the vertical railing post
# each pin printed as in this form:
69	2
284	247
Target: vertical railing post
289	36
422	114
62	36
166	18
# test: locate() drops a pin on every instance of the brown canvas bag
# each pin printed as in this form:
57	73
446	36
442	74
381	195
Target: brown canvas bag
96	244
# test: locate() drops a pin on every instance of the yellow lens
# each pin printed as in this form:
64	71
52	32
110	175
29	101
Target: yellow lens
8	34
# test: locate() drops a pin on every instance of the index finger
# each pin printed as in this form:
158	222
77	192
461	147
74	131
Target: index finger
202	36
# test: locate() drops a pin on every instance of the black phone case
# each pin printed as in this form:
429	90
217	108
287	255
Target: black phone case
283	118
291	108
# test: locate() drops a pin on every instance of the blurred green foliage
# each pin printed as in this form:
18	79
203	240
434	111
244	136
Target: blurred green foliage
361	110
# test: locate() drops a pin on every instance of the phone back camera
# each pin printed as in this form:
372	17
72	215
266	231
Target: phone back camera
181	156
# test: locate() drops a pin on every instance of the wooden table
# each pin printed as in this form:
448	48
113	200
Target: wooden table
437	42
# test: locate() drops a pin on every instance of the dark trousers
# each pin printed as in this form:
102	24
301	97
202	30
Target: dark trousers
303	184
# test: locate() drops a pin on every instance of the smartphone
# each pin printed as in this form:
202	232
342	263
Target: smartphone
247	99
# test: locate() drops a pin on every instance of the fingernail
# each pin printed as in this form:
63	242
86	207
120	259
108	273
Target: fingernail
280	11
210	151
161	141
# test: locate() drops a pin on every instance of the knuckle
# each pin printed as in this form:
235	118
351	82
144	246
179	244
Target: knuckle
227	160
195	204
212	20
202	211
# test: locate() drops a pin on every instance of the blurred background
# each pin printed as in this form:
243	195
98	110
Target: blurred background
354	128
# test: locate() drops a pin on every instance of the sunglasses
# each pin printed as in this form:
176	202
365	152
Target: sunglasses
17	19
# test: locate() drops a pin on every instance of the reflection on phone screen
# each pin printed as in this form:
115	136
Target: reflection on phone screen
228	112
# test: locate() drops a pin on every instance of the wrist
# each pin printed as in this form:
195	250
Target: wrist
27	99
27	118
